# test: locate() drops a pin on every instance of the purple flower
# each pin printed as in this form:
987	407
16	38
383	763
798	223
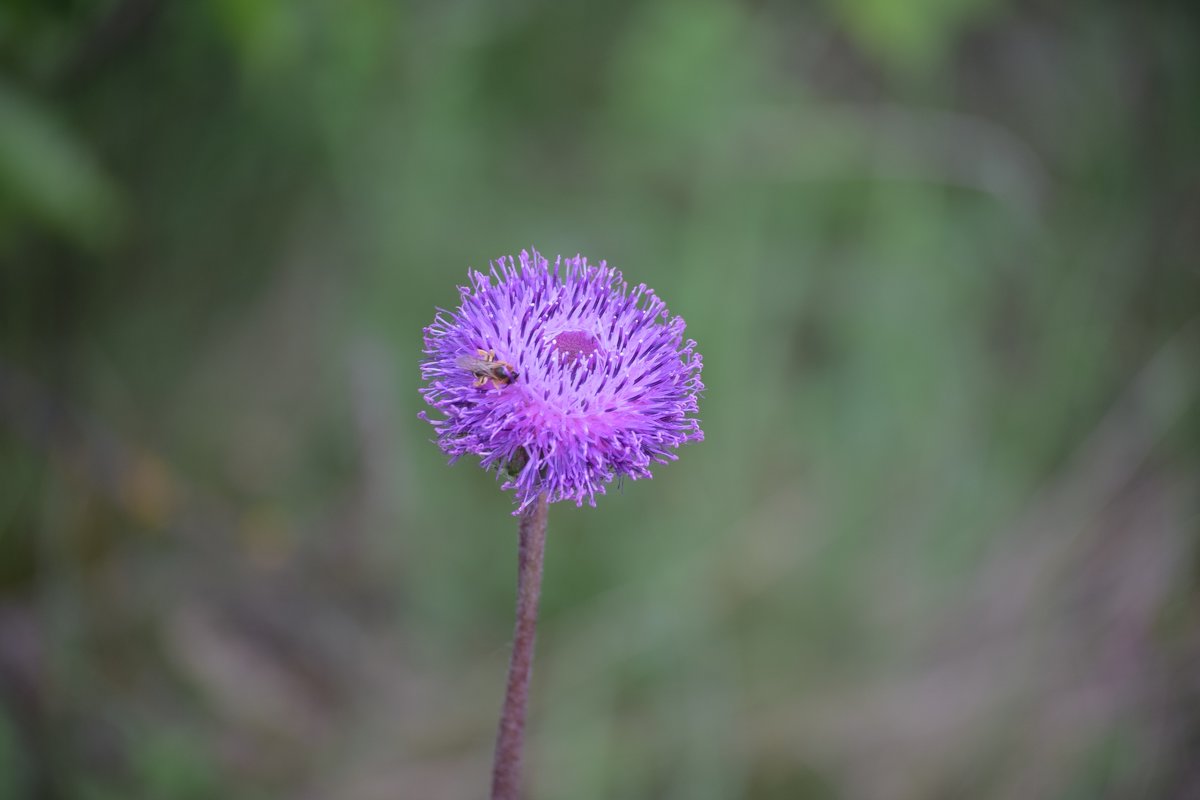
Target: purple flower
561	378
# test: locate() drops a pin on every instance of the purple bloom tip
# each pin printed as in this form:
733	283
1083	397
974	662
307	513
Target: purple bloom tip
560	378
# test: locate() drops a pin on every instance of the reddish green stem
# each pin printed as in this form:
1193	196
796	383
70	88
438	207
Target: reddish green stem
510	738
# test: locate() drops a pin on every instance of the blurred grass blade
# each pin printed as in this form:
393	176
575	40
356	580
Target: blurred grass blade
49	177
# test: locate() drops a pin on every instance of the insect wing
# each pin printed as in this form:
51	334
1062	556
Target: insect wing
472	364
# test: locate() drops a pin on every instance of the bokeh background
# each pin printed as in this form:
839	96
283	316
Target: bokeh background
941	260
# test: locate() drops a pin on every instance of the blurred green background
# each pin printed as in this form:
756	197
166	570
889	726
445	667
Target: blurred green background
940	257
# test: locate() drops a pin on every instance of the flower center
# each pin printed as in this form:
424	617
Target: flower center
575	345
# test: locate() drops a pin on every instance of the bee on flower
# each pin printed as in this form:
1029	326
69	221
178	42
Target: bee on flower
596	380
484	366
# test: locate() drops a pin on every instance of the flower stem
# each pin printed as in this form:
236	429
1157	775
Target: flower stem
510	738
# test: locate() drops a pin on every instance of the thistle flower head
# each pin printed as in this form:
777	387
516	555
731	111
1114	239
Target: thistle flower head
560	377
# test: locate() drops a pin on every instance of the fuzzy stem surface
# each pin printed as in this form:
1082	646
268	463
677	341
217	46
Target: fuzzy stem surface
510	737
